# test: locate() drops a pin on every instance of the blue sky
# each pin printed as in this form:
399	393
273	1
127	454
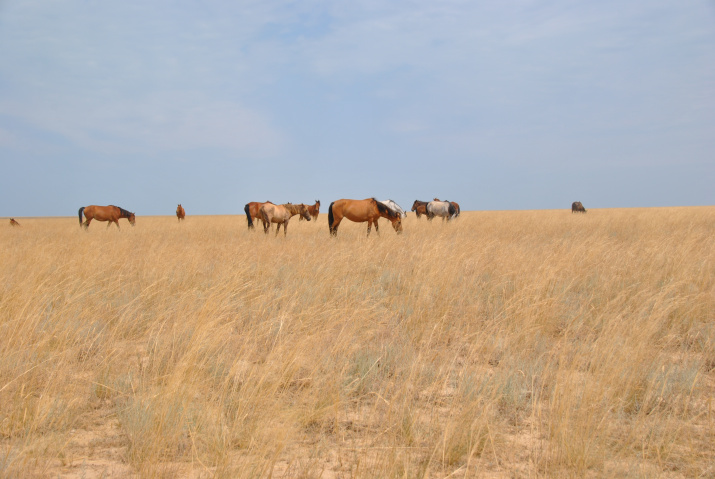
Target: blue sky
495	105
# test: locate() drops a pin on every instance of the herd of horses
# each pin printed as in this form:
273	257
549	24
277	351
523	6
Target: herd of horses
369	210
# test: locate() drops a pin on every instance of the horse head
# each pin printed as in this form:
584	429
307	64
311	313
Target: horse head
304	213
132	219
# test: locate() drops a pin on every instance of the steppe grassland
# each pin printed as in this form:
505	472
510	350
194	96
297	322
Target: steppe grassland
534	343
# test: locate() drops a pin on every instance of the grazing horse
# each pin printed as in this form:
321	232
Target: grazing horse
281	214
445	209
253	210
180	212
420	208
110	213
455	204
359	211
394	207
313	210
13	222
577	207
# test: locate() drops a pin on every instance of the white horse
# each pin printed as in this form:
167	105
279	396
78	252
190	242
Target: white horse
394	207
445	209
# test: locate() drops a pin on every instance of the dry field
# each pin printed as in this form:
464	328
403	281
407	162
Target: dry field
504	344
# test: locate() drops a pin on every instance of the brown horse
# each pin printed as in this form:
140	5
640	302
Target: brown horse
313	210
419	207
13	222
180	213
359	211
281	215
253	210
577	207
110	213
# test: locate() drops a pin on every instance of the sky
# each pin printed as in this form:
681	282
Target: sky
498	105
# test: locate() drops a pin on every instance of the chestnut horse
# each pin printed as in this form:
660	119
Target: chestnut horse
180	212
13	222
419	207
110	213
252	210
359	211
281	215
313	210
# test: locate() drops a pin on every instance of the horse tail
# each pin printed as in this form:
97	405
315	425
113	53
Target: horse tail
81	210
330	216
247	209
452	210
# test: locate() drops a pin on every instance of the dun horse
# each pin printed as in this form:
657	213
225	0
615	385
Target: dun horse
313	210
253	210
13	222
419	207
281	215
359	211
110	213
180	213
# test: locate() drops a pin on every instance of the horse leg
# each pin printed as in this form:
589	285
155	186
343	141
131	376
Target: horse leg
334	227
86	223
278	228
285	228
377	227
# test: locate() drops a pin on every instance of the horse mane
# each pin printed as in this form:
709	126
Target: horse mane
123	212
384	209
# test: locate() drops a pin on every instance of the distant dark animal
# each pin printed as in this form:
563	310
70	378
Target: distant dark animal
110	213
359	211
577	207
253	210
313	210
444	209
419	207
180	213
13	222
281	215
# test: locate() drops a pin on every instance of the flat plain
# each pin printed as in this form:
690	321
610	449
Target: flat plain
501	344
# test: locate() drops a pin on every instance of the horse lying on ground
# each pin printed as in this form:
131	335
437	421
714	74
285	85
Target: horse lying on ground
359	211
13	222
110	213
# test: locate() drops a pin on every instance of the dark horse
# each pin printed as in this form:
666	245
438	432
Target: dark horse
577	207
109	213
419	207
313	210
253	211
359	211
13	222
180	212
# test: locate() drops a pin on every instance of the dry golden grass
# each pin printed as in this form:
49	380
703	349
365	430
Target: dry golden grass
504	344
